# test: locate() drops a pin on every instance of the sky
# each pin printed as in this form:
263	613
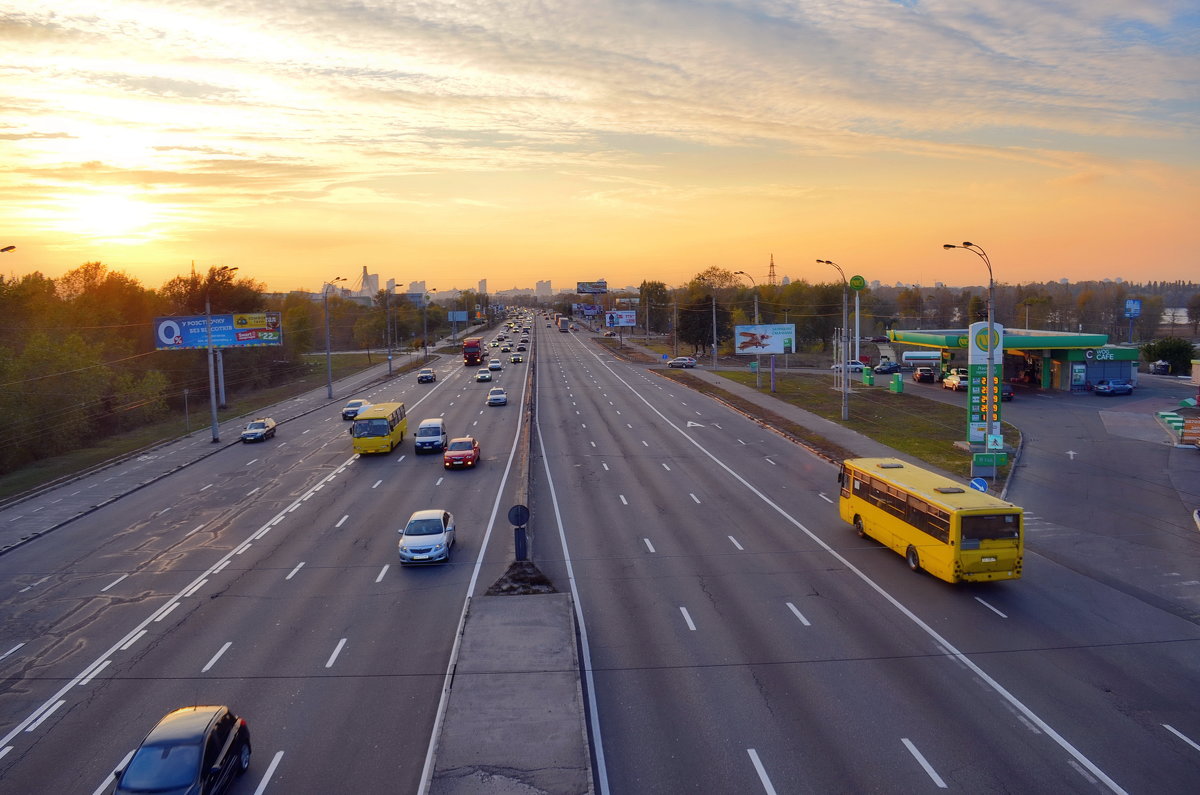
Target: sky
449	141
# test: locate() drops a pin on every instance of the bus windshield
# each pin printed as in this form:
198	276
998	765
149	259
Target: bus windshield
375	427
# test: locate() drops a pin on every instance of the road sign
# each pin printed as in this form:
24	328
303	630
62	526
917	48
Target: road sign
518	515
979	484
857	283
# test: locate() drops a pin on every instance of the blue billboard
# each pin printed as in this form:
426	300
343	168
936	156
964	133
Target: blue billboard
242	330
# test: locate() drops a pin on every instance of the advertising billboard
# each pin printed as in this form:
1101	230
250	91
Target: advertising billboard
621	318
777	338
457	316
242	330
594	288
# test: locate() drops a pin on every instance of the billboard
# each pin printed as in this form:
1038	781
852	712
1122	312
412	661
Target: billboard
595	288
585	309
777	338
620	318
242	330
457	316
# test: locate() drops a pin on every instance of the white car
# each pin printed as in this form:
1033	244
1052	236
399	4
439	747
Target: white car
854	367
428	537
497	397
495	364
682	361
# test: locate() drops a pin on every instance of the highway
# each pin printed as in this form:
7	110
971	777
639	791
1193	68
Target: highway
743	639
738	637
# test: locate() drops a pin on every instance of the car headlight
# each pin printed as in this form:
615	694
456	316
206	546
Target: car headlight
438	547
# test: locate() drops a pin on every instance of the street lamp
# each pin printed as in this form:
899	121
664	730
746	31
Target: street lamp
328	355
757	357
212	381
6	249
993	394
844	364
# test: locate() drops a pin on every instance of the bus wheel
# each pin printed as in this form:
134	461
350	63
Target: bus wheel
858	527
914	562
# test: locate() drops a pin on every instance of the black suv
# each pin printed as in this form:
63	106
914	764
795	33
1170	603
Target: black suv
191	751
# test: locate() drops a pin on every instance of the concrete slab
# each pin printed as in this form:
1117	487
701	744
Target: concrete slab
514	720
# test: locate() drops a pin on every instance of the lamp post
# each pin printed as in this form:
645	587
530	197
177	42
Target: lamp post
993	394
328	354
6	249
843	365
757	357
212	381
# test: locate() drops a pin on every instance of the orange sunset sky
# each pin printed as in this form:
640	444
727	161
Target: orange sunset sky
575	140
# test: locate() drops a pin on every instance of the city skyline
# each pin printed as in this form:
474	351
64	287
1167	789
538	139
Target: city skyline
454	143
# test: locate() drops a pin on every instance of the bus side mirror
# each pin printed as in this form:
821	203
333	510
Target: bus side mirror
840	477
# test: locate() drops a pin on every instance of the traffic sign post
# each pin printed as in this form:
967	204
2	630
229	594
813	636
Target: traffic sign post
518	516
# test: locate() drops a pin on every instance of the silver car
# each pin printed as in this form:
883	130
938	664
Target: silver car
427	537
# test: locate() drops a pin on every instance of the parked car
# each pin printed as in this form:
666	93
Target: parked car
461	452
954	381
259	430
495	364
427	537
497	397
426	375
854	367
924	375
483	375
610	333
351	409
887	368
682	361
190	751
1160	368
1113	386
1006	391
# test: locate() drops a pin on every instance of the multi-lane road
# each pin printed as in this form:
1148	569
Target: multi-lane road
738	636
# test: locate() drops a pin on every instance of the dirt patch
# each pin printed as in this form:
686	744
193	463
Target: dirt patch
522	577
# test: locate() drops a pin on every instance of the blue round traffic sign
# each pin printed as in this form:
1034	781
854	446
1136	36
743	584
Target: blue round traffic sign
979	484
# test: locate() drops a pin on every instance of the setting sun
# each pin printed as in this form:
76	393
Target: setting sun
106	215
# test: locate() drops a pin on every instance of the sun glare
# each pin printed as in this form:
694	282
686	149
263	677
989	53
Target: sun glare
106	215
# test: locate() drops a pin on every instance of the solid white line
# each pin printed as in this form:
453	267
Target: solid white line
687	618
243	548
167	612
216	657
740	441
762	772
912	749
293	572
735	542
648	544
95	671
133	640
342	521
769	461
256	488
799	615
336	652
382	572
10	651
262	785
45	714
1176	732
989	607
220	566
194	529
623	500
108	781
206	488
114	582
261	533
193	589
822	496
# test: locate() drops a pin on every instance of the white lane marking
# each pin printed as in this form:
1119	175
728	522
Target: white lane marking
584	424
398	460
251	461
769	461
262	533
342	521
220	566
962	658
293	572
644	443
718	427
111	584
377	484
336	652
799	615
649	546
206	488
95	671
695	499
687	618
262	785
10	651
912	749
133	640
593	444
167	612
279	518
439	480
762	772
623	500
666	467
1177	733
604	465
740	441
108	781
822	496
382	572
243	548
194	529
630	427
735	542
989	607
216	656
193	589
45	714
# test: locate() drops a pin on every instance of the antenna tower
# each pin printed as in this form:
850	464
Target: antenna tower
771	272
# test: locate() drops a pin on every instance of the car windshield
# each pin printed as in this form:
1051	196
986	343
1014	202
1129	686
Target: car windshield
460	445
256	426
427	372
424	527
162	767
429	430
364	428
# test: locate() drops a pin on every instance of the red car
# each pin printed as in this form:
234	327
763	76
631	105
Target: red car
461	452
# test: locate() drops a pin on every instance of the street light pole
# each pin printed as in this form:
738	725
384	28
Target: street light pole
757	356
993	394
328	354
844	364
212	380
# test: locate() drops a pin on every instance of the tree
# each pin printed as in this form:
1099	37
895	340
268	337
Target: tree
1193	310
656	305
695	324
1175	351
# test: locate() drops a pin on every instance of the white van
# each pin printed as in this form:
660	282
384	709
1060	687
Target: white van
431	436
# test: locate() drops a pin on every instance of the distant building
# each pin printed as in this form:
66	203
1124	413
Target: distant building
483	287
543	288
416	287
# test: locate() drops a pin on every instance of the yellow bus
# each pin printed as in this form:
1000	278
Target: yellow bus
953	532
379	429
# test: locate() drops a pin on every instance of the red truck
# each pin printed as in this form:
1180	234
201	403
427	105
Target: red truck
473	351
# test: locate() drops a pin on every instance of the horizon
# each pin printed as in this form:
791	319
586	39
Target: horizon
453	143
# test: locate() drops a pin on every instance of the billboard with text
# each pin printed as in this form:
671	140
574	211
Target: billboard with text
621	318
242	330
594	288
